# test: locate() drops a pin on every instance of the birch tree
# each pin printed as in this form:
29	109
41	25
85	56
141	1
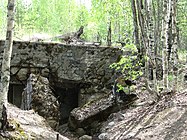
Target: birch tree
165	38
174	56
151	41
144	30
155	28
5	70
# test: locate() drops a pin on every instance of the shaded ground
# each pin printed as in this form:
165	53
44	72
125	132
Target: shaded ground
165	120
145	120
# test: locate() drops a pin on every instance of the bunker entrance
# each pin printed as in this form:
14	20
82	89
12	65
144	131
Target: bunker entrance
15	94
67	96
68	100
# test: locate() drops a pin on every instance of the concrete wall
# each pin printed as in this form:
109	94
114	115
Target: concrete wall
66	66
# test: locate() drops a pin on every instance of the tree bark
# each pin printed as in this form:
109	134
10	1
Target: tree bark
174	56
151	42
136	29
109	35
165	27
141	21
5	71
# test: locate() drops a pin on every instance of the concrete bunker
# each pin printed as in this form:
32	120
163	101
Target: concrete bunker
76	73
66	93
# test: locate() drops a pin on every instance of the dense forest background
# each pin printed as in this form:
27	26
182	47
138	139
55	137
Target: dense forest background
61	16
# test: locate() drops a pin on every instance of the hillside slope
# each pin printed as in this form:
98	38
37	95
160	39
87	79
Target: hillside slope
165	120
29	125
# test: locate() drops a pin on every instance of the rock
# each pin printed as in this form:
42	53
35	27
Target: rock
111	124
94	128
103	136
85	137
62	128
95	110
52	123
2	138
45	72
22	74
95	124
14	70
80	132
42	99
29	126
72	63
165	119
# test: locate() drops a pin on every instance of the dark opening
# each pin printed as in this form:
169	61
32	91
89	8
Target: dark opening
68	99
15	94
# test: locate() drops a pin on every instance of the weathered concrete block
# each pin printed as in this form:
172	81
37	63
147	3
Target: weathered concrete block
61	63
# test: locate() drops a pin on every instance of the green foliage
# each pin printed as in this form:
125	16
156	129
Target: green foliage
182	22
129	64
170	77
3	20
62	16
46	16
19	133
118	12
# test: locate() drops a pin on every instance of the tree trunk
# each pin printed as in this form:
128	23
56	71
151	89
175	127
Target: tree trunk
165	28
174	47
141	21
151	42
136	29
145	20
109	35
5	71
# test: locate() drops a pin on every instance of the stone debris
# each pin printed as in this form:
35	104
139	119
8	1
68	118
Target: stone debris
96	110
43	101
85	137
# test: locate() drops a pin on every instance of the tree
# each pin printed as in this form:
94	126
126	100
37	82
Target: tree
174	48
5	71
144	31
135	22
165	38
155	32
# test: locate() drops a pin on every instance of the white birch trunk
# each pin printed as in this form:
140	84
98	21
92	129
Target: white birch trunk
5	71
165	27
151	41
174	56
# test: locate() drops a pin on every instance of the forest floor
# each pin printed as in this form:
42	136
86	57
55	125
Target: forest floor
143	120
163	120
